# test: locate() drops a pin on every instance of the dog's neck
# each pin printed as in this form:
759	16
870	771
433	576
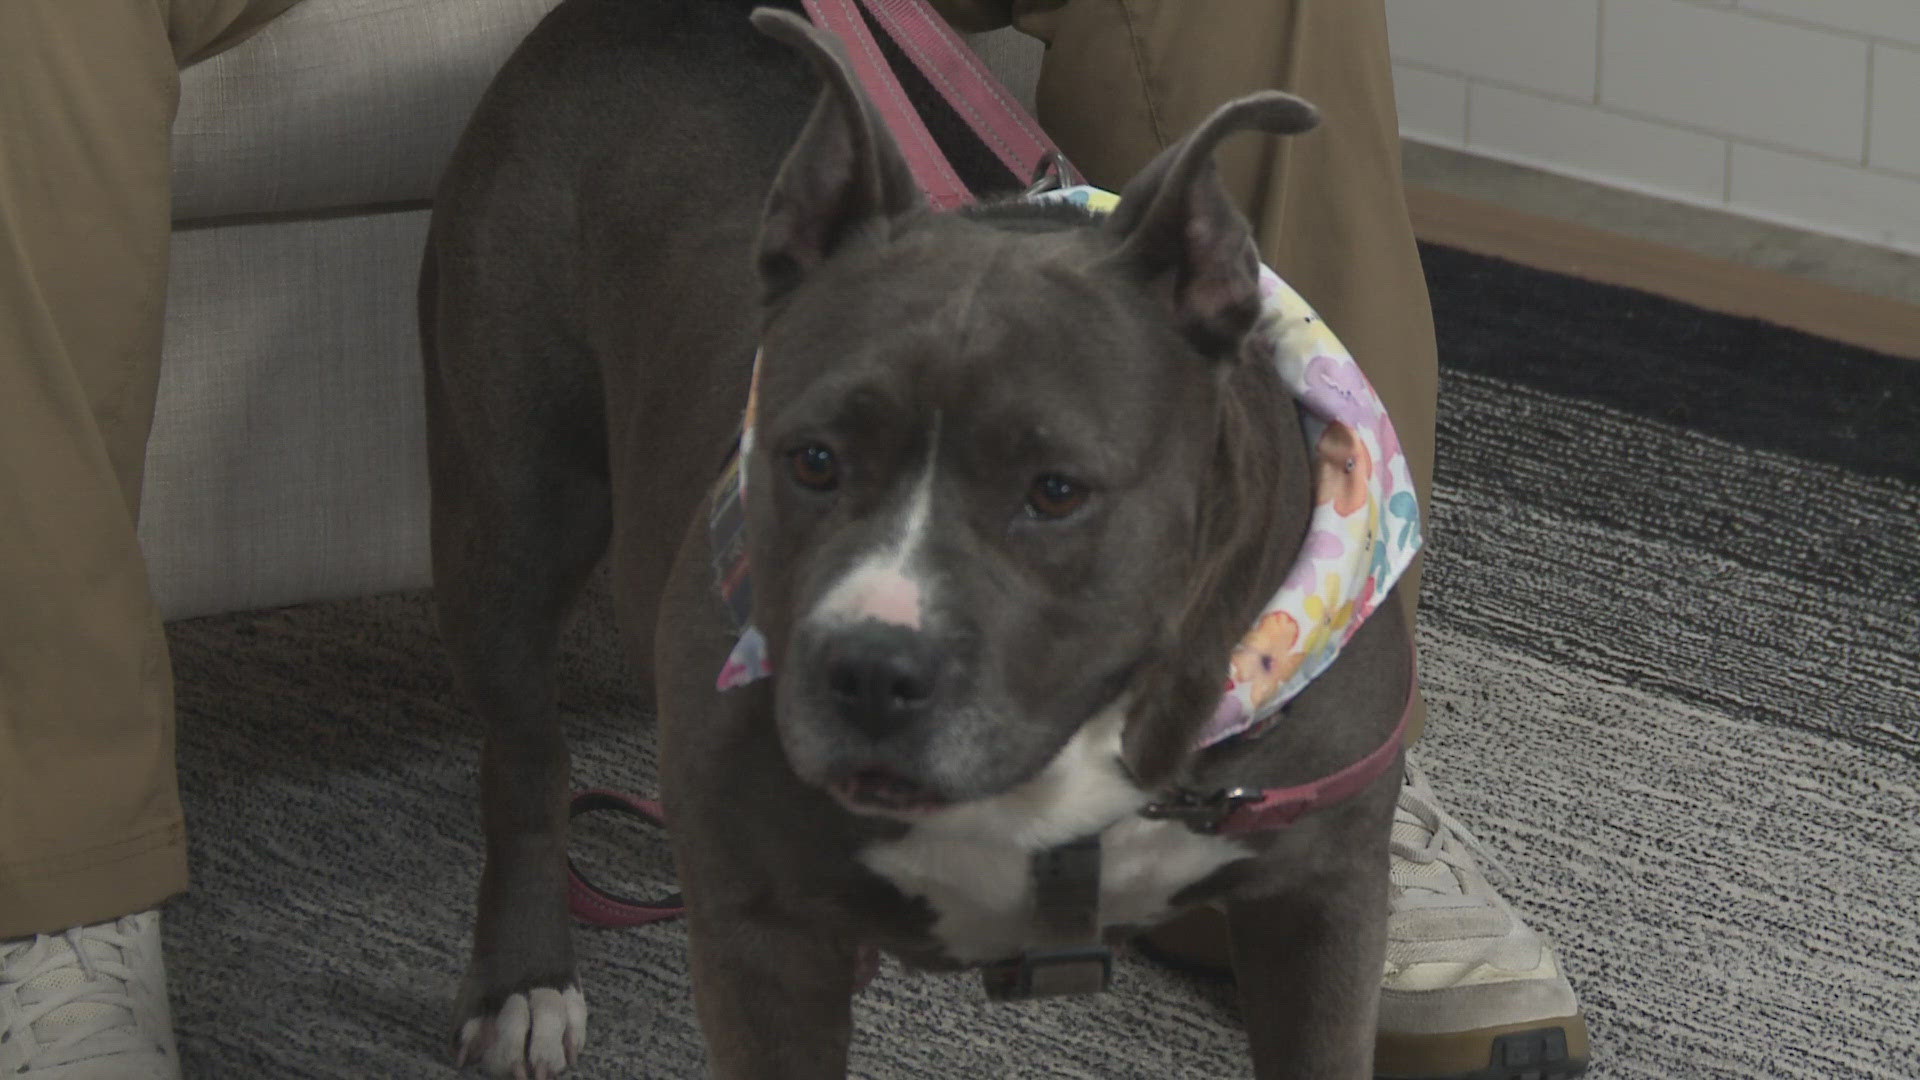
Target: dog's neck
1254	520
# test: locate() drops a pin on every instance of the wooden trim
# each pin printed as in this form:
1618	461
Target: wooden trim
1871	322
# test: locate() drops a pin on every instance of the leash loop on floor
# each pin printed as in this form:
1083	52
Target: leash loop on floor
596	906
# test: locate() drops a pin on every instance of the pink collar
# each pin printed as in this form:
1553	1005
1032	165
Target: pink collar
1237	811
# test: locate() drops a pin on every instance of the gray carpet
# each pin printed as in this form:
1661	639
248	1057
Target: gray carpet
1691	734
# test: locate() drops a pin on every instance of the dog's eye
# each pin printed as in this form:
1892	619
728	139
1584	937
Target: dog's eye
815	466
1054	496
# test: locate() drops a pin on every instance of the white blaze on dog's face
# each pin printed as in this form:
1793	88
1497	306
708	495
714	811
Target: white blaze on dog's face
890	584
980	507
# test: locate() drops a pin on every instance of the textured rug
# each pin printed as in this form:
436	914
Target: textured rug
1672	647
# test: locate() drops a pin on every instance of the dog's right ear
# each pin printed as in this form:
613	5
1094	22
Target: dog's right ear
845	175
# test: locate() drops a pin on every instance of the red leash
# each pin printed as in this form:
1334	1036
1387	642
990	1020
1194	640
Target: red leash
591	904
930	167
957	72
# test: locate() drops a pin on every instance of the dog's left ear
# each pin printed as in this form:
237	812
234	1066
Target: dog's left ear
843	176
1180	232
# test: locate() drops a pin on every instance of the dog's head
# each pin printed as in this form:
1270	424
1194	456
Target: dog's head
1010	468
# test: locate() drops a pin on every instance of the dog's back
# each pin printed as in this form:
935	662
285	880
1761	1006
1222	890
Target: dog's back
595	223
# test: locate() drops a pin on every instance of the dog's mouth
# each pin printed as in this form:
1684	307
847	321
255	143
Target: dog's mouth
872	789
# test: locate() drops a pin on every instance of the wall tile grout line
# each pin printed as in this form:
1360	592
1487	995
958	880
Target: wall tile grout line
1866	136
1600	52
1669	123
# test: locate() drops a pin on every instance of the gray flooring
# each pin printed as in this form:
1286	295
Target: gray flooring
1693	750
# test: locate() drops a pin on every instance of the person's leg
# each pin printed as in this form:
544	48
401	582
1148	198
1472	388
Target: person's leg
1123	78
90	824
91	833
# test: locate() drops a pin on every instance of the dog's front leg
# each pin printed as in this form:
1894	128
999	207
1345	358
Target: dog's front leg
775	1002
1308	965
504	585
521	1011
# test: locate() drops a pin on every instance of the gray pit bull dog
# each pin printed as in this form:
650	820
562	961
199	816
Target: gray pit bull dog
1015	493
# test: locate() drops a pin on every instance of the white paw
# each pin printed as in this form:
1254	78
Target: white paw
534	1036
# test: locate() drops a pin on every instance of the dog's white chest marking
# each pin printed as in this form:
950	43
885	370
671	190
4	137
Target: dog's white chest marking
973	863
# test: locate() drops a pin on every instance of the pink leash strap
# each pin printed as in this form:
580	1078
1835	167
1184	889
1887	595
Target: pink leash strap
591	904
596	907
929	166
969	86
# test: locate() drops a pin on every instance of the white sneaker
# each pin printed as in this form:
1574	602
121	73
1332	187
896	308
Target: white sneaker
89	1004
1469	993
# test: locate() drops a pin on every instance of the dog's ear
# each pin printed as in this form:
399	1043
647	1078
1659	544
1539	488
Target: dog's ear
1180	232
844	175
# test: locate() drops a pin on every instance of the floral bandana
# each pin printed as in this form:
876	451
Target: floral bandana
1364	532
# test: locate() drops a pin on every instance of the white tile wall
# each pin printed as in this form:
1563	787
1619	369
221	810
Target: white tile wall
1727	72
1432	107
1894	20
1895	121
1805	111
1453	36
1882	209
1598	145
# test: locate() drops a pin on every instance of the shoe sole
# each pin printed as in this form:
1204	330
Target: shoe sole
1538	1050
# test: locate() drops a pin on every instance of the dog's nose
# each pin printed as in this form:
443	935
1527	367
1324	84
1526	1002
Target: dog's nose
879	676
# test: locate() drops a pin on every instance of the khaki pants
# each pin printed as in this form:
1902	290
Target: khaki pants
90	824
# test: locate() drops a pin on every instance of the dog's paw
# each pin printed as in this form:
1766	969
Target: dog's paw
531	1036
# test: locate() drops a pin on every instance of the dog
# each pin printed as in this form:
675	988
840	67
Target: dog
1011	494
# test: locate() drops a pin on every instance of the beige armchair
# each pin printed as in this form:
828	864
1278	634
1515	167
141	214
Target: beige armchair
287	457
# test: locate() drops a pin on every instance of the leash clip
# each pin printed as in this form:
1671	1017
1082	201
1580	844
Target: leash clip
1077	969
1201	813
1052	173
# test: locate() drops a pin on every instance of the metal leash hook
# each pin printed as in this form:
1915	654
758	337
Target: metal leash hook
1051	174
